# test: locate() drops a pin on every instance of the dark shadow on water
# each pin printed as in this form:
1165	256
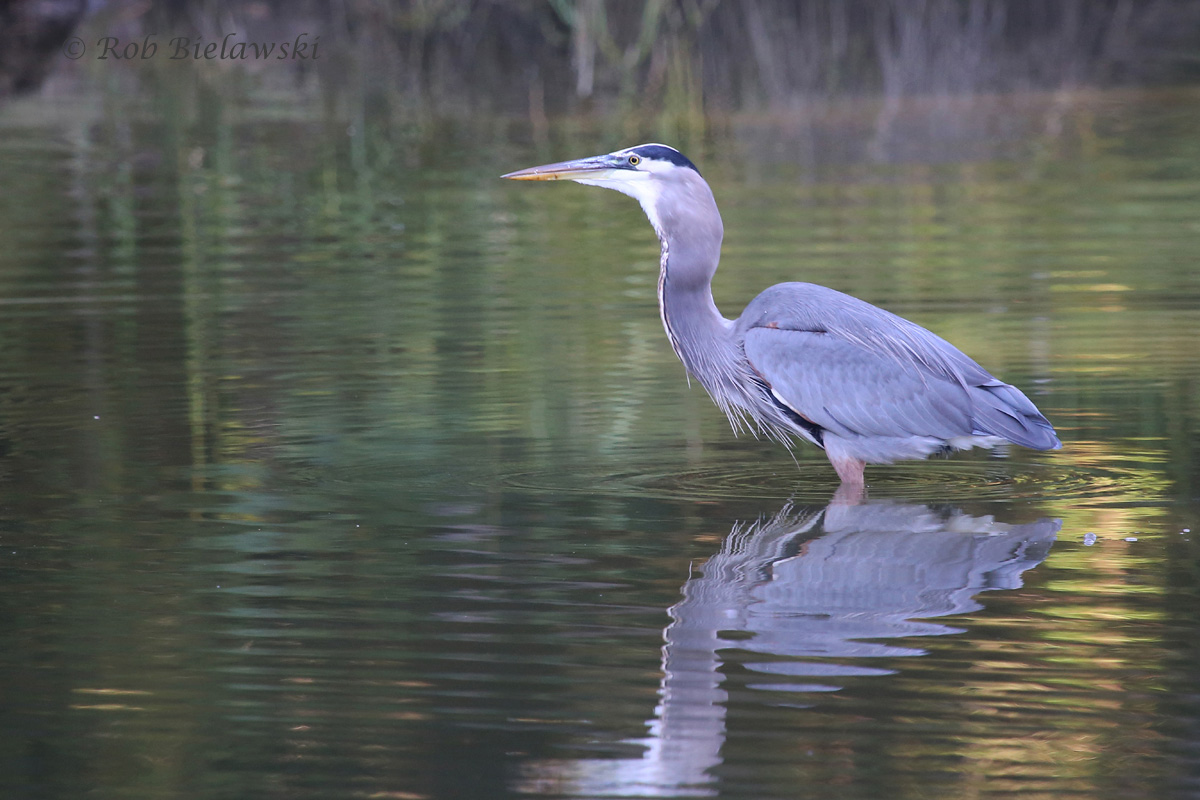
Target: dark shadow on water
808	595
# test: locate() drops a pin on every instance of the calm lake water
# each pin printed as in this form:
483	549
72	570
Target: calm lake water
333	466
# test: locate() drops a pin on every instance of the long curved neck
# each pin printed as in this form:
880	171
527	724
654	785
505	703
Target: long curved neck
690	230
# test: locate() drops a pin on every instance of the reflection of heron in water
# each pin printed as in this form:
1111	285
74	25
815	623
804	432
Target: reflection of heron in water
802	586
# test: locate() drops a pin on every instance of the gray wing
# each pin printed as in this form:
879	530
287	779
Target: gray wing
859	371
851	391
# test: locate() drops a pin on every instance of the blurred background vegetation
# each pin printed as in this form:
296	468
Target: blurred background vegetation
922	80
545	57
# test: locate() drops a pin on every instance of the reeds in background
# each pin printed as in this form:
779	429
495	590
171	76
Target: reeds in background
555	56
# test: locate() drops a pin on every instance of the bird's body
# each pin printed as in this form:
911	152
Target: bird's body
804	360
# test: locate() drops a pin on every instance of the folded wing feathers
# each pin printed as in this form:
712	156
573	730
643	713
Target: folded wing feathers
946	374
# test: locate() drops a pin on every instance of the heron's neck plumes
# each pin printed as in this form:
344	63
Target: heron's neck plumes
689	226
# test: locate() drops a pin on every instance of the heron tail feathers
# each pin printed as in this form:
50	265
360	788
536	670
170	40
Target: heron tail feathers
1004	410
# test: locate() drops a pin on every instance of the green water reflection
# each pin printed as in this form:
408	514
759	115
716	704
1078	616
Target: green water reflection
331	465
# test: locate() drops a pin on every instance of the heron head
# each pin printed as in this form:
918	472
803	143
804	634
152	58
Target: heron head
646	172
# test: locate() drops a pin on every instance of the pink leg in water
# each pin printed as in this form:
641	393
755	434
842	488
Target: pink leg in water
849	469
854	488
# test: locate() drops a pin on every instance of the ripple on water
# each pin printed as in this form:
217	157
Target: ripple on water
936	481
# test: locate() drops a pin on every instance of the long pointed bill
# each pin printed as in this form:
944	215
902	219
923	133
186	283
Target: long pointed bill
593	168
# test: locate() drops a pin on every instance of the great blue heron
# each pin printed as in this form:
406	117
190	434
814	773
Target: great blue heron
803	360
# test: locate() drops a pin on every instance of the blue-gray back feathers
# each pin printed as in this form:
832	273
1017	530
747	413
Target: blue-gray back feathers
886	385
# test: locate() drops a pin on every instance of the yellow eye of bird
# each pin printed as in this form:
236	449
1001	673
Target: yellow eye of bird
634	161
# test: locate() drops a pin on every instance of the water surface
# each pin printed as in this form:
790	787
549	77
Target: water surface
331	465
